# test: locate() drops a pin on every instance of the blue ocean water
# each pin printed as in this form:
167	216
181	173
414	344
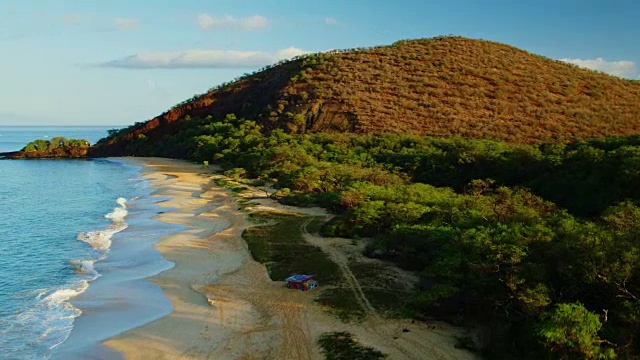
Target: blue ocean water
59	222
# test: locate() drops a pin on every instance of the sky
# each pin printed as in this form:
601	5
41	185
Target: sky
117	62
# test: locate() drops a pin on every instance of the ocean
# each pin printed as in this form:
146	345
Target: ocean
76	243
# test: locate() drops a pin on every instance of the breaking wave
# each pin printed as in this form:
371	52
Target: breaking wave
101	240
52	312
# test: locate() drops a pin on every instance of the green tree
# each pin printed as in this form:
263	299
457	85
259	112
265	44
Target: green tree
58	142
571	331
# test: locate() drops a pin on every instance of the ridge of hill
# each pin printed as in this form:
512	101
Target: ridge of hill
443	86
514	238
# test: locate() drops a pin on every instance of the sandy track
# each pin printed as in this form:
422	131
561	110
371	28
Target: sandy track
340	259
405	346
225	305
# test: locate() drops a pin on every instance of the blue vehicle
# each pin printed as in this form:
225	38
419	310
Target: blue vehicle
301	282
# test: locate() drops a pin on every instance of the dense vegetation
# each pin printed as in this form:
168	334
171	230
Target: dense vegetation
279	245
535	240
342	346
538	245
55	143
445	86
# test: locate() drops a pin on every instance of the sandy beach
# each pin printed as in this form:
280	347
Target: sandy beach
224	304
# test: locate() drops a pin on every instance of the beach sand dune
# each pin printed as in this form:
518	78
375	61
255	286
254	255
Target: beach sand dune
225	305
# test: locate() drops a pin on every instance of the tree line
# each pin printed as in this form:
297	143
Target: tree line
537	245
42	145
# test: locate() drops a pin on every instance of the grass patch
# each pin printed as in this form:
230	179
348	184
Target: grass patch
245	203
238	189
222	182
388	302
387	293
232	185
313	227
343	303
279	244
342	346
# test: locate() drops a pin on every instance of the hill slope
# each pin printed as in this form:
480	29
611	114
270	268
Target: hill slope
456	211
442	87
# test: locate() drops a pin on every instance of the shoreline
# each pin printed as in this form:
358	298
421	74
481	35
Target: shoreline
119	297
225	306
208	212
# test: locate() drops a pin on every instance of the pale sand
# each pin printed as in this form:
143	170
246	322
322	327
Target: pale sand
225	305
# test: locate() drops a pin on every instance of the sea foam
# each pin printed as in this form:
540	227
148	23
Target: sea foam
38	230
58	300
101	240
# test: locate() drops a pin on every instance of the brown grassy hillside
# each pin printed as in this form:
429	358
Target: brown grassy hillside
442	87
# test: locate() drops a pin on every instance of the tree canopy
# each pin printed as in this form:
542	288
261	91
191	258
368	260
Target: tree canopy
538	243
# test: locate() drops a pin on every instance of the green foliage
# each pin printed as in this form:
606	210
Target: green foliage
498	233
342	302
30	147
572	331
55	143
342	346
58	142
280	246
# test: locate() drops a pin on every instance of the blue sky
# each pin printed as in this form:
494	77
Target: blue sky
121	61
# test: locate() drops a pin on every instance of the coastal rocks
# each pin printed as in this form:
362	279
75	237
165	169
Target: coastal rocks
59	152
6	155
57	147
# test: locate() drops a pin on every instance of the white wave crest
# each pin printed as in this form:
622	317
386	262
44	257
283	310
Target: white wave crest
118	214
58	301
62	312
101	240
61	296
122	202
51	314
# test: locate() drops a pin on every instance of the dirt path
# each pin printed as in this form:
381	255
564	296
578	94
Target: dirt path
340	259
374	322
400	339
226	306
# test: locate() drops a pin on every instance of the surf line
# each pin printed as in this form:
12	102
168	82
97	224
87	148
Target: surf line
100	240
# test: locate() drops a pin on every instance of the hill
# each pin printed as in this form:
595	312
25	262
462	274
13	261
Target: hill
443	87
536	245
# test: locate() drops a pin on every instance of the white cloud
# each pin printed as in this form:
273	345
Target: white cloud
126	24
207	22
73	19
330	21
621	68
203	59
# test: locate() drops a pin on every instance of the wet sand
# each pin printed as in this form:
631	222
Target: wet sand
224	304
121	298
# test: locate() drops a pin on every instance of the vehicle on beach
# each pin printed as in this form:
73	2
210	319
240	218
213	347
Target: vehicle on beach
301	282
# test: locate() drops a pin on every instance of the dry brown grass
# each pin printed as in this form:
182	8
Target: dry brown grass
475	89
444	86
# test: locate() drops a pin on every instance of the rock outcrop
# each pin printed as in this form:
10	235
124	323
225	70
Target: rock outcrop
69	152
